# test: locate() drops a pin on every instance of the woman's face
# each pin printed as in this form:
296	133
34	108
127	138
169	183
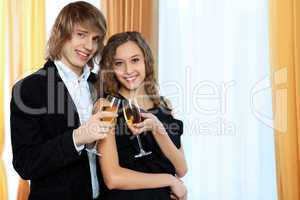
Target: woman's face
129	66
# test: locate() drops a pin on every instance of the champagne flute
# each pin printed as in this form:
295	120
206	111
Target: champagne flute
132	115
113	106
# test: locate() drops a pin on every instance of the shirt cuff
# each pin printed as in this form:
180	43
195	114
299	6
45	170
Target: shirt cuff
78	148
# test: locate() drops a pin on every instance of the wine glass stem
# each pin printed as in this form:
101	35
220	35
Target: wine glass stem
139	142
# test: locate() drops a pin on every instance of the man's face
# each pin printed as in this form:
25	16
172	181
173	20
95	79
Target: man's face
82	46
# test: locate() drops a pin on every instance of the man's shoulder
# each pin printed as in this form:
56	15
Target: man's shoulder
38	79
34	80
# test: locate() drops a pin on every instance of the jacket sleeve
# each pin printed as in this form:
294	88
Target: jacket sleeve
34	156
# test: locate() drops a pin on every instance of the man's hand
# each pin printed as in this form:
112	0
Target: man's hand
94	129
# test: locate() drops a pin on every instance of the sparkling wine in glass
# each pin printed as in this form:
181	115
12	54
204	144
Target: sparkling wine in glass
132	115
113	106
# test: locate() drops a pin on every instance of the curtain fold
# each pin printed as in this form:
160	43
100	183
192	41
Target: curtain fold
26	43
26	37
133	15
285	64
3	25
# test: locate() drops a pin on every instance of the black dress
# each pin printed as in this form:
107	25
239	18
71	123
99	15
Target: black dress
156	162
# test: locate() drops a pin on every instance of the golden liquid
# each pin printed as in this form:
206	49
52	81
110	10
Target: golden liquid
109	109
130	120
132	115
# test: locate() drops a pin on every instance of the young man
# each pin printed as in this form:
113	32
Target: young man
51	111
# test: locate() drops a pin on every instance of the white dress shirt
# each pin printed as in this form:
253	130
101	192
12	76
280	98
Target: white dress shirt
78	88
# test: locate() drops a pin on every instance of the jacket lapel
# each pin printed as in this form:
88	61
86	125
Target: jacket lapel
64	103
93	92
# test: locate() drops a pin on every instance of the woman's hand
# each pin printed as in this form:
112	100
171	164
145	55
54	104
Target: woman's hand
178	189
150	123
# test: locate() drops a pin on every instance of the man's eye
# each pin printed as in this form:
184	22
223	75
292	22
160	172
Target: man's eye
96	39
81	35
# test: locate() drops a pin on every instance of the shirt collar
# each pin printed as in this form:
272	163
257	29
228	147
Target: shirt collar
70	75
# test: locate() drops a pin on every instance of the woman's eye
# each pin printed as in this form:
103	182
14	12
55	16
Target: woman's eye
135	60
118	64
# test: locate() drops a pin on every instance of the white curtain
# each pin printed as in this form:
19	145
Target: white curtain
214	67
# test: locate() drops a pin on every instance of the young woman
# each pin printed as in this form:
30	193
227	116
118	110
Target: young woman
127	72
